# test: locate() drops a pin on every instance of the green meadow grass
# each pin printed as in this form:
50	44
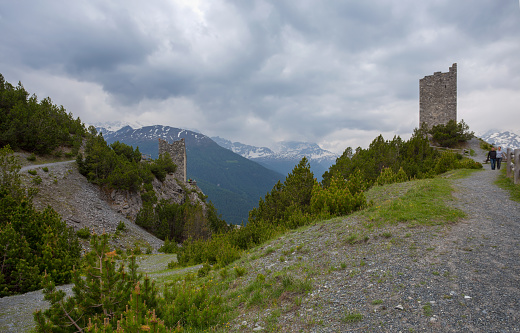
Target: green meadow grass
507	184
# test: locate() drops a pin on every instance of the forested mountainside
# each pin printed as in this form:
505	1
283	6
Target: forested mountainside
232	183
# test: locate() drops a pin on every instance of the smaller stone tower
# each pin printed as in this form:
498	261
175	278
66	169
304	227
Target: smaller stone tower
177	151
438	98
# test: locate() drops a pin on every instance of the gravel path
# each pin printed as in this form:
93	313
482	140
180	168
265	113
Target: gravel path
462	277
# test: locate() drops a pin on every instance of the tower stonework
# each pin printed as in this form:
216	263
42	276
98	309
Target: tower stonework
177	151
438	98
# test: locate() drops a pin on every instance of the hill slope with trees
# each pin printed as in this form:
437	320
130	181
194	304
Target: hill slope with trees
232	183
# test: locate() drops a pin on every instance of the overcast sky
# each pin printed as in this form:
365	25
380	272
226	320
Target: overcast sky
337	73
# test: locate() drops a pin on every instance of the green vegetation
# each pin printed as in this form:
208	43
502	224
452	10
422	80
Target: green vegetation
396	161
419	206
83	233
104	296
507	183
118	165
414	203
300	199
120	299
179	222
484	145
208	299
286	207
451	134
38	127
31	242
121	226
352	317
427	310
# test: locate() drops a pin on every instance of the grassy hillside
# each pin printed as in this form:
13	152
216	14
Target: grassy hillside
284	277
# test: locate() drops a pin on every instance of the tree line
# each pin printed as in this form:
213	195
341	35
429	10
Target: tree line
35	126
301	199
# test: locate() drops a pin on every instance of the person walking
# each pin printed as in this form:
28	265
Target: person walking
500	156
492	156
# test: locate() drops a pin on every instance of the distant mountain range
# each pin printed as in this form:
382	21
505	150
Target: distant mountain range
232	183
284	156
504	139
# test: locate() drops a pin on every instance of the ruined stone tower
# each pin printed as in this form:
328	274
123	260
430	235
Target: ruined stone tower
177	151
438	98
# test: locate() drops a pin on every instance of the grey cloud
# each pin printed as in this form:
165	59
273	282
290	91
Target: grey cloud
309	67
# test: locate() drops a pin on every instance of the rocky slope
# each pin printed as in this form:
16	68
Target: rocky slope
84	205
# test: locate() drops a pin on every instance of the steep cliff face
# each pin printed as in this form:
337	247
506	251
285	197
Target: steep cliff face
129	203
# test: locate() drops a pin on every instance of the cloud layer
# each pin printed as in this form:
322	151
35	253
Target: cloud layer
335	73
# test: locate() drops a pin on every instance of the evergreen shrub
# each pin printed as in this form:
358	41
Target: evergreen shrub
83	233
31	241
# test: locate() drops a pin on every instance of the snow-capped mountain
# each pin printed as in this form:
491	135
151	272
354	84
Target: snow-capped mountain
114	126
150	133
504	139
284	155
247	151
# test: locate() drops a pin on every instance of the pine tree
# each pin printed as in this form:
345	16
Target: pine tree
106	295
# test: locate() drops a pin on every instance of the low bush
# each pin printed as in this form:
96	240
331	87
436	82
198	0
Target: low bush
83	233
37	180
121	226
169	246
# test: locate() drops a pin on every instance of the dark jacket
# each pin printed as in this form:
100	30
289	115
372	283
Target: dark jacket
492	154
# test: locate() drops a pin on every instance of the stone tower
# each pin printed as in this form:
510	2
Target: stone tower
177	151
438	98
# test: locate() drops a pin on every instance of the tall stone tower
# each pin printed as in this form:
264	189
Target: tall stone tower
177	151
438	98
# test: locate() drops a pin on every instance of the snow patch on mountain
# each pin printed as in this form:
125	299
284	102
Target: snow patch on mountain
505	139
247	151
284	155
114	126
281	150
292	149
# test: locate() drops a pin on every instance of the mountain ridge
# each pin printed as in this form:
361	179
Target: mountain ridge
505	139
281	158
232	183
284	156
